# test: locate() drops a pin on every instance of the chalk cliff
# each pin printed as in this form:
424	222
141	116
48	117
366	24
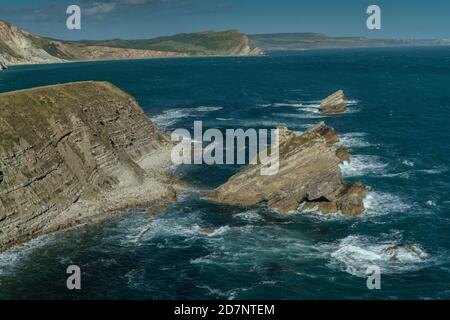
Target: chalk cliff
309	177
73	152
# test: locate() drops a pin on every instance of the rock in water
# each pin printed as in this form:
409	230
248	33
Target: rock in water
342	153
335	103
3	65
309	177
73	152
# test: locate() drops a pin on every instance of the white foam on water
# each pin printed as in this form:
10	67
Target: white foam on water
437	170
219	231
354	254
206	109
229	295
431	203
300	115
251	216
13	256
361	165
382	203
408	163
352	102
354	140
171	116
287	104
312	108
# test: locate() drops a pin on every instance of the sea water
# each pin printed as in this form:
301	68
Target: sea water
396	129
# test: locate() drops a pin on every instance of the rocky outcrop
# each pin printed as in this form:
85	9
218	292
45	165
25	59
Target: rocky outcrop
335	103
342	153
3	65
70	153
309	177
396	251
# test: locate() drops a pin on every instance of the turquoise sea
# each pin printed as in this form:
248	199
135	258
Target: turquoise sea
397	129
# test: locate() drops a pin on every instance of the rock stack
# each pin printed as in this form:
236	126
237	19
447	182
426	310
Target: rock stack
335	103
309	177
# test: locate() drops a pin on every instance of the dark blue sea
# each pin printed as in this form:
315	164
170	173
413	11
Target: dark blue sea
397	129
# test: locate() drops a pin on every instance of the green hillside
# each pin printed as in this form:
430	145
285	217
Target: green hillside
199	43
304	41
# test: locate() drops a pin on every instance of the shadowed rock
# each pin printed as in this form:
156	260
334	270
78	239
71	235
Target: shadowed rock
335	103
342	153
309	176
3	65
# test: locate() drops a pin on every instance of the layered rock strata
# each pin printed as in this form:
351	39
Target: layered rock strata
309	177
70	153
335	103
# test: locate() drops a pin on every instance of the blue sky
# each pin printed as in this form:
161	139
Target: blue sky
132	19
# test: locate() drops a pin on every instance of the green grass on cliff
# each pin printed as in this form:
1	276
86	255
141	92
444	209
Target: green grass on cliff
200	43
28	115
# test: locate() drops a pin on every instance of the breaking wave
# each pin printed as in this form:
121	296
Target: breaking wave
354	254
381	203
354	140
171	116
363	165
251	216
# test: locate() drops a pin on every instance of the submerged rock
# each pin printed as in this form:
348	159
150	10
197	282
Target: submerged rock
335	103
309	176
207	231
396	251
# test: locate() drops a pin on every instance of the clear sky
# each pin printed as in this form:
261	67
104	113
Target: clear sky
132	19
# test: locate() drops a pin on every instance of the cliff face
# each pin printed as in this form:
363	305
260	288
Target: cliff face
18	46
309	177
72	152
208	43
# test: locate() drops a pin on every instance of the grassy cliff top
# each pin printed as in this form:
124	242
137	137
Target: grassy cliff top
29	114
199	43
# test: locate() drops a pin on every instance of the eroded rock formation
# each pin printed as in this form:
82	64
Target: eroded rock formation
309	177
335	103
3	65
70	153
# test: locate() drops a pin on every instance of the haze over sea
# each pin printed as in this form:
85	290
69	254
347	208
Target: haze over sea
398	134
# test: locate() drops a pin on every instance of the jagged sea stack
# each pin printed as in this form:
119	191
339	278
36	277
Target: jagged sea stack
335	103
309	177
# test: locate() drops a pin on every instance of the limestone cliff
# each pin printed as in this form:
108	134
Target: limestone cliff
18	46
309	177
72	152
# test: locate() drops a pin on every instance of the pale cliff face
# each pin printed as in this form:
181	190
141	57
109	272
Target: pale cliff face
72	152
18	46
